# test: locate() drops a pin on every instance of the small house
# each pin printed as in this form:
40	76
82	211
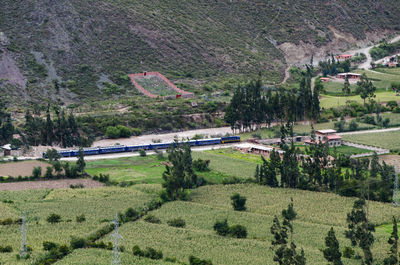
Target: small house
350	76
7	149
323	136
325	79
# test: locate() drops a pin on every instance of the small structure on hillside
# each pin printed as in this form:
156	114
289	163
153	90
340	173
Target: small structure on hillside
351	76
325	79
343	57
323	136
7	149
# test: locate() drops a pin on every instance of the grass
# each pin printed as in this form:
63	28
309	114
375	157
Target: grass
317	212
388	140
328	101
349	150
147	169
155	85
98	205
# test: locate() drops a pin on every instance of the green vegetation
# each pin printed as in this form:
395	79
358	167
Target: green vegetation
384	49
99	206
155	85
388	140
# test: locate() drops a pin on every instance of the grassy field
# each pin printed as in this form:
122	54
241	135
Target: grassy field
388	140
155	85
147	169
98	205
317	212
332	101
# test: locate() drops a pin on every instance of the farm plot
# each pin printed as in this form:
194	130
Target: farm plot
50	184
328	101
155	85
388	140
98	205
147	169
317	212
21	168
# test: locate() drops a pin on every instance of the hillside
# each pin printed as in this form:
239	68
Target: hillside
86	45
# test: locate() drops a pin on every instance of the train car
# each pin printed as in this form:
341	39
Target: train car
155	146
230	139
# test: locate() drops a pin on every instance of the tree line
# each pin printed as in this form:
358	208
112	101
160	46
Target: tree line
250	106
319	170
62	130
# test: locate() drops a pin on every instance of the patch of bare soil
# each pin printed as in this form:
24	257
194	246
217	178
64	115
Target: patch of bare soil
22	168
390	159
50	184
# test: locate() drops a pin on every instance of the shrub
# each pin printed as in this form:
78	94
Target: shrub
221	227
137	251
124	132
78	242
53	218
348	252
80	218
142	152
47	245
238	202
152	253
77	186
131	214
152	219
201	165
196	261
112	132
353	126
238	231
6	249
37	172
178	222
170	259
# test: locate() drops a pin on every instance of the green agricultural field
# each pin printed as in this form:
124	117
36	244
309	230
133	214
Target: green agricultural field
332	101
317	212
155	85
388	140
98	205
146	169
392	71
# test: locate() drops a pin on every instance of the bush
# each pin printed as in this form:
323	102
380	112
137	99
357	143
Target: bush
36	172
196	261
238	202
78	242
124	132
142	152
6	249
131	214
151	253
238	231
178	222
47	245
137	251
152	219
221	227
348	252
353	126
53	218
170	259
112	132
201	165
80	218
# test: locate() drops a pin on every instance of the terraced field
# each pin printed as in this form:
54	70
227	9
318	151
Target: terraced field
98	205
317	213
155	85
388	140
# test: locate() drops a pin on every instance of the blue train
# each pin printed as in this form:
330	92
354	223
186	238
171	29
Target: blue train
155	146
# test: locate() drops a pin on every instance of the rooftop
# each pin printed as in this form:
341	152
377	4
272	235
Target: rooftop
326	131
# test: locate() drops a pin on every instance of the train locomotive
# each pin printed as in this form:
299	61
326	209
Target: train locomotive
154	146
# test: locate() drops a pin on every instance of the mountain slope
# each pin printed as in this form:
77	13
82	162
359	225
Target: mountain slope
84	41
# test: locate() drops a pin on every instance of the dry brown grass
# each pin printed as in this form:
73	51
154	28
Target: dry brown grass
22	168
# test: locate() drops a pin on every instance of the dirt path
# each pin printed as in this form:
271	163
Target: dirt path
50	184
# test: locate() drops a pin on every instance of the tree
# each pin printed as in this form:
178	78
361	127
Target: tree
37	172
238	202
53	155
332	251
346	86
49	172
53	218
80	163
365	88
180	175
360	229
375	167
285	254
393	258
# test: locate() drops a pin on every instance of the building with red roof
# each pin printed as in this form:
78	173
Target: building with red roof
323	136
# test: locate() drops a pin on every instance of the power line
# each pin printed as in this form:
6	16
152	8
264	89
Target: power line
23	250
116	253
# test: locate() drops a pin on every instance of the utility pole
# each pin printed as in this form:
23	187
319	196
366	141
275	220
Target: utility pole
396	187
116	255
23	250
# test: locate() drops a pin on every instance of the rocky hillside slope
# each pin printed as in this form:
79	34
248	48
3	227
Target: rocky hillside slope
68	48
